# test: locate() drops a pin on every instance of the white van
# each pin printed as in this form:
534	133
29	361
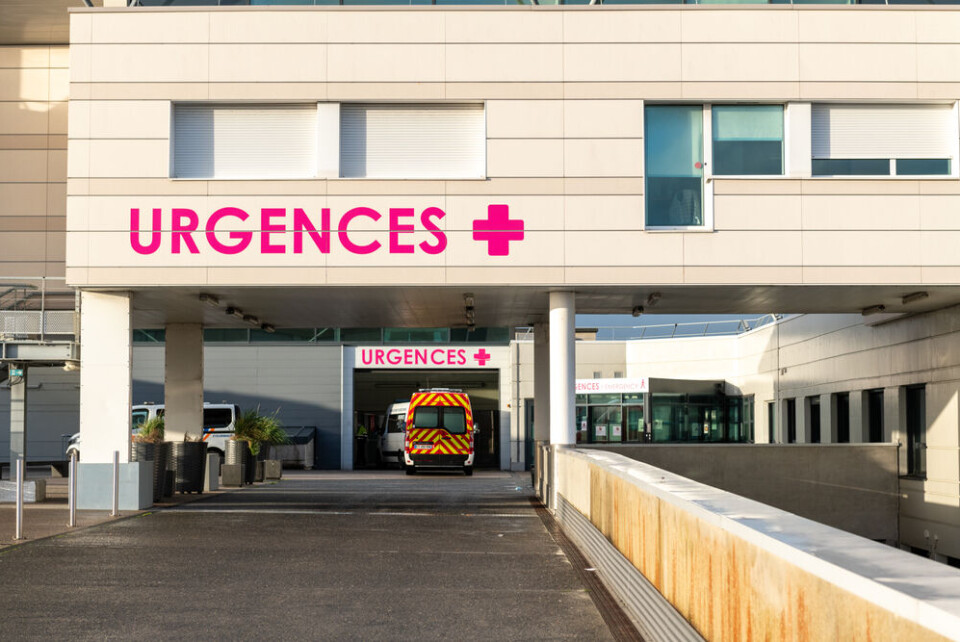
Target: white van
218	421
391	433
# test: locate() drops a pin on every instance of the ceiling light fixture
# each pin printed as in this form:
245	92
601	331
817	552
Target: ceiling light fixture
234	312
873	309
637	310
252	320
269	329
210	300
653	298
913	297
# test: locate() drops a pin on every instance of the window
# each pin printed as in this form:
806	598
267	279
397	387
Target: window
791	411
884	140
813	408
245	141
842	401
747	140
916	431
875	416
772	422
673	140
412	141
451	418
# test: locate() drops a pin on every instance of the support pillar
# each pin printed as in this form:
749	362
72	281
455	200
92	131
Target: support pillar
183	381
541	382
858	417
562	369
106	356
18	417
828	419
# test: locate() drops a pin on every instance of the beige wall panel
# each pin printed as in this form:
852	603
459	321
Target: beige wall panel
159	27
268	26
339	257
938	91
386	26
940	187
27	165
58	118
612	25
28	85
503	275
305	91
621	62
372	276
938	63
60	56
865	275
604	157
24	117
22	246
619	212
280	62
59	84
57	165
872	91
603	119
22	199
504	63
142	91
623	90
81	27
314	187
266	276
537	249
384	63
755	187
631	248
129	158
505	186
339	205
504	90
536	212
167	276
81	64
723	275
940	247
30	269
853	187
400	91
22	223
364	187
524	158
26	141
526	118
861	212
742	248
57	141
861	248
123	119
857	26
56	245
621	185
78	214
77	276
135	186
858	63
939	212
937	26
57	199
742	62
756	212
739	26
659	275
24	57
483	26
737	90
160	63
78	249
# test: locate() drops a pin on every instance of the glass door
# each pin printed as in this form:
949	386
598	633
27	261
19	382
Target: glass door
673	136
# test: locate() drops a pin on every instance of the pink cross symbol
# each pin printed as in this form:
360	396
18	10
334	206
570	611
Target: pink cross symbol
498	230
482	357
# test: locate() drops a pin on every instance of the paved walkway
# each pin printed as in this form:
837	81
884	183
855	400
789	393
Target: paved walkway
375	555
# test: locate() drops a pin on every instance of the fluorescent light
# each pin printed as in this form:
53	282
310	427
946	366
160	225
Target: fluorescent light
252	320
210	300
914	297
873	309
266	327
653	298
637	310
236	312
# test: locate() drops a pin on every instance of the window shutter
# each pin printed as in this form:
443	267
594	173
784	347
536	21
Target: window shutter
245	141
883	131
412	141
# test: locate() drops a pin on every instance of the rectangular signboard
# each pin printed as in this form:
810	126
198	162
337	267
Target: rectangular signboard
612	386
436	356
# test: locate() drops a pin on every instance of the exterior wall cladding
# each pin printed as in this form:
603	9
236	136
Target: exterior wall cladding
564	92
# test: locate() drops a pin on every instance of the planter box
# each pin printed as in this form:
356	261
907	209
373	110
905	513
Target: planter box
231	475
272	469
189	462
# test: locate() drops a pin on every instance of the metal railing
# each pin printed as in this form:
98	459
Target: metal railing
716	328
37	309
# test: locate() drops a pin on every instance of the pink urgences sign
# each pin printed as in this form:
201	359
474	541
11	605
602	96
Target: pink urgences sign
312	232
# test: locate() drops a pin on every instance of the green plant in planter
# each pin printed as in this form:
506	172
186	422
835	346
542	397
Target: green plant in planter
257	429
150	431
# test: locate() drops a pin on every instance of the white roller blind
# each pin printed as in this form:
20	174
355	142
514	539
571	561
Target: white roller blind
412	141
245	141
883	131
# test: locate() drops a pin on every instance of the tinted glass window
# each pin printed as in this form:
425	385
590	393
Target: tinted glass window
747	140
139	416
851	167
923	166
455	420
217	417
395	423
426	417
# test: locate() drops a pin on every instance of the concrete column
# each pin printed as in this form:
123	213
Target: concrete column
106	355
563	363
858	417
183	381
803	420
18	418
541	382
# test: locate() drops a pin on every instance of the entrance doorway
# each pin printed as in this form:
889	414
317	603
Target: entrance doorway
375	390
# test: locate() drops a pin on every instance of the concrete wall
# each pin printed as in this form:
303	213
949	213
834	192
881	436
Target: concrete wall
850	487
564	90
740	570
34	84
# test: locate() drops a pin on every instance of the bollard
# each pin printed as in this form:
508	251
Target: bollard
115	510
72	490
18	531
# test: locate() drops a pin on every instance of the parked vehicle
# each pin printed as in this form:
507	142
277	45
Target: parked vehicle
391	433
218	421
439	431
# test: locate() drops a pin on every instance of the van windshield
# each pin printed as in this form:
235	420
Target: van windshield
395	423
451	418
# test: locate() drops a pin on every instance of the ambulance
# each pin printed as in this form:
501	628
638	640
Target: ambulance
439	431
